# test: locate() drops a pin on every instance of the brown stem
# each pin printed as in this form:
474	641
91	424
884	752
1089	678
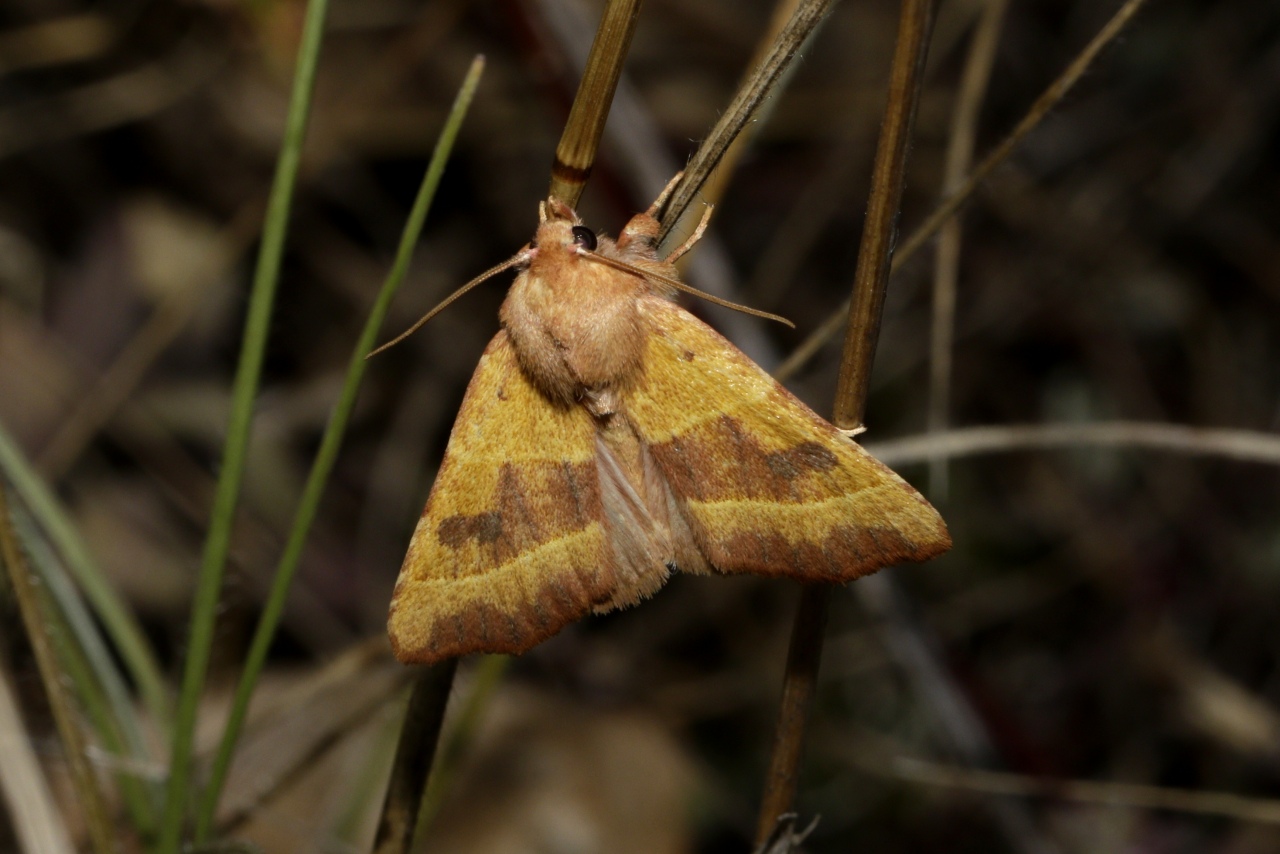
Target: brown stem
576	153
768	74
947	208
872	274
419	736
798	685
875	254
722	171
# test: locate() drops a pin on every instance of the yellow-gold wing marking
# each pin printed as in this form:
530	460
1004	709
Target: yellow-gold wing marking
766	485
510	547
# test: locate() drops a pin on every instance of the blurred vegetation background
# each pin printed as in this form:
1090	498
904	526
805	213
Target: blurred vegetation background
1108	614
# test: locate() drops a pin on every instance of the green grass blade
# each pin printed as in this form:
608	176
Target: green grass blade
95	679
125	633
328	454
248	374
36	625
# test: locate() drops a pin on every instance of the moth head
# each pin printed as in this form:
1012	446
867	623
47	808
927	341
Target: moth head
562	236
560	231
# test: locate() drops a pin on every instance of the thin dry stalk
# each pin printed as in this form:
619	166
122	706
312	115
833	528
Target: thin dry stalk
798	685
870	279
875	253
964	132
1246	445
97	819
632	134
948	206
1100	793
717	182
576	153
419	736
761	83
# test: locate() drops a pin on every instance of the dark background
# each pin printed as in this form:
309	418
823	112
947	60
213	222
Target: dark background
1106	614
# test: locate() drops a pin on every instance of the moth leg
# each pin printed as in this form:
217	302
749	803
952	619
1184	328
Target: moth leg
664	195
600	402
693	238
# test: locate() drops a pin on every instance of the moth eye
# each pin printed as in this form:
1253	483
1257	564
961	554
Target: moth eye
584	237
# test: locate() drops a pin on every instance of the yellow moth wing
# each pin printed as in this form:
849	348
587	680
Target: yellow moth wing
767	485
510	547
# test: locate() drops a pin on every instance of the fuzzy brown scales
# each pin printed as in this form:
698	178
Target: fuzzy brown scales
609	436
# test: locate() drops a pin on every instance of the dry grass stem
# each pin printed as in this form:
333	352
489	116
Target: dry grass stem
870	279
804	655
947	208
576	153
713	189
643	157
964	133
1116	795
808	15
784	837
1245	445
875	252
419	738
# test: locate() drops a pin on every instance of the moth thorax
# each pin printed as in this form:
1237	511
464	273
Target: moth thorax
575	326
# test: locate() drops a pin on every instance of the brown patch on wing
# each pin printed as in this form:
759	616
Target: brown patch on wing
510	547
765	484
482	527
724	456
805	457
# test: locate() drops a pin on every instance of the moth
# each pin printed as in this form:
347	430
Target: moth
608	438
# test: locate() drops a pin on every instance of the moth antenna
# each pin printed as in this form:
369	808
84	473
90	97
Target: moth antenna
519	258
681	286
